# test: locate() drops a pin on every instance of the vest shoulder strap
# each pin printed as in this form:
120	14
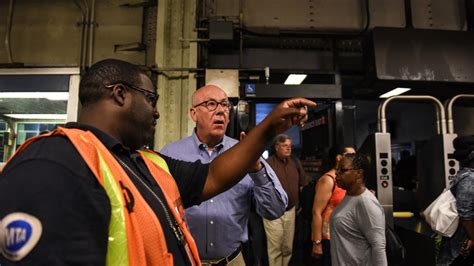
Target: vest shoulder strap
156	159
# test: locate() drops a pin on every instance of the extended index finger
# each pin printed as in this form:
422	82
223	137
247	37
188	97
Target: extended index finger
242	135
299	102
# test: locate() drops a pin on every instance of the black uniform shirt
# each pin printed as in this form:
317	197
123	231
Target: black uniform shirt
51	181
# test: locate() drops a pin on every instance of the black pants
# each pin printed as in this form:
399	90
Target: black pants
326	252
257	248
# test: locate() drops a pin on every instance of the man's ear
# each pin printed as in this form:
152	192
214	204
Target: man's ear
118	93
360	173
192	114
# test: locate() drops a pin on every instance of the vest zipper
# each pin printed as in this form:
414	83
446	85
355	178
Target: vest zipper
172	223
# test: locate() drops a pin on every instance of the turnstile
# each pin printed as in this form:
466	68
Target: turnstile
377	148
436	168
437	157
449	109
436	165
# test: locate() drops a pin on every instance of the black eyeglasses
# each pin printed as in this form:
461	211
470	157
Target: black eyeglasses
211	105
150	95
342	170
348	153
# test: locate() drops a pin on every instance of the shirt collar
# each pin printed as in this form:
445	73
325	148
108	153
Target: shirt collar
109	142
203	146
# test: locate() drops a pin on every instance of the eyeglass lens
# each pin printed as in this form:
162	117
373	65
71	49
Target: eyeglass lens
211	105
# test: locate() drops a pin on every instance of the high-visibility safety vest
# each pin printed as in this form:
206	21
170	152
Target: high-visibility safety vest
135	234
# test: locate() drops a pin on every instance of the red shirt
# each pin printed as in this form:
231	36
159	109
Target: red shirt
336	197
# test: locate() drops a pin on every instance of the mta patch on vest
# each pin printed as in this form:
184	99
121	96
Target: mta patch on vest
19	234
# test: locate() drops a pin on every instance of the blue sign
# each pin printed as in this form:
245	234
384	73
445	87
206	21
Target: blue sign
250	88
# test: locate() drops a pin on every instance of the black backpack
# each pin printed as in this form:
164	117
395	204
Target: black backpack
307	198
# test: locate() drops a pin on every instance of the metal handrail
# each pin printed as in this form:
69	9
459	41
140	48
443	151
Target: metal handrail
449	110
440	114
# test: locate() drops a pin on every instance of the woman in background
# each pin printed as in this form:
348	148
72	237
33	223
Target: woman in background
358	223
458	249
327	197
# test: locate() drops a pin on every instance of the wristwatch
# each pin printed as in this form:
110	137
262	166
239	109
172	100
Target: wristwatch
316	242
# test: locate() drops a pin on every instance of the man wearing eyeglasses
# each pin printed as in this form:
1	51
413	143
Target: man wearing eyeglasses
280	232
219	225
88	194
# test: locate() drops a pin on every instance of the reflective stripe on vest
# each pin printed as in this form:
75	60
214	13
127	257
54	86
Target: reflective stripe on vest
117	248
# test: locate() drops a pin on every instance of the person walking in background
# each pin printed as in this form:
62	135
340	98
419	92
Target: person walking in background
280	232
327	196
219	225
405	171
357	225
458	249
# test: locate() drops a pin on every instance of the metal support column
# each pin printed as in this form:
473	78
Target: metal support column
176	21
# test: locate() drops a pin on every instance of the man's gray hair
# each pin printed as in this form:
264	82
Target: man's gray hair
280	138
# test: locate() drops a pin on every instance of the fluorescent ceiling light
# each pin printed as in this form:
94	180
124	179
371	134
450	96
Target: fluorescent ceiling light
52	96
394	92
38	116
295	79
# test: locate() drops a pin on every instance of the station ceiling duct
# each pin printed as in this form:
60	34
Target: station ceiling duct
432	62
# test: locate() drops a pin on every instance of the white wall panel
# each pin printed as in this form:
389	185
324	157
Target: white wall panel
48	32
309	14
439	14
226	8
43	32
117	26
385	13
340	15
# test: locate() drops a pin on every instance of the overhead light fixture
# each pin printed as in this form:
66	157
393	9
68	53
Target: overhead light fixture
52	96
38	116
295	79
394	92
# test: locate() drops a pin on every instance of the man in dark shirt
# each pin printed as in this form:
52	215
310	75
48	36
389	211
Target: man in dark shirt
280	232
50	183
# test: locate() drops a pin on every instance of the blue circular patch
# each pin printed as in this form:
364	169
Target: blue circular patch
17	235
20	232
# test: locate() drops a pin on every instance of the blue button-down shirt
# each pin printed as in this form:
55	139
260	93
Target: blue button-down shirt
219	225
